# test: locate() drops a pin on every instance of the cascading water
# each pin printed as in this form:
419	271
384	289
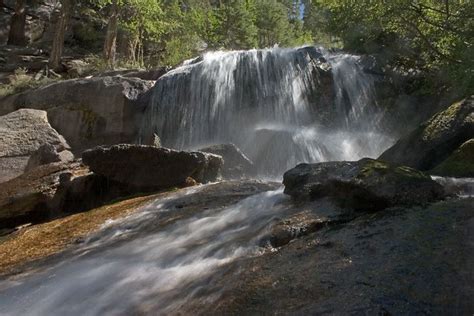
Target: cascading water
280	106
144	266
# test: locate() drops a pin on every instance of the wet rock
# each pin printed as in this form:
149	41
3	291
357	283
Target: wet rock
459	164
84	192
433	141
152	167
298	225
462	187
22	133
89	112
367	184
413	261
236	164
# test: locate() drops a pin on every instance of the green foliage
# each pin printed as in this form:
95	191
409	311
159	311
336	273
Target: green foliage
429	36
180	39
169	31
21	81
235	25
86	35
143	18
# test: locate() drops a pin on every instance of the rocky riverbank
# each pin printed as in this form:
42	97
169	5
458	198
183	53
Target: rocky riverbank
186	230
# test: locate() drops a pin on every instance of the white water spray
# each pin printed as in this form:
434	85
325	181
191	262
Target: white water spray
280	106
128	269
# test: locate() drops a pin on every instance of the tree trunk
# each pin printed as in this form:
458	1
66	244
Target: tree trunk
132	41
58	40
111	35
16	35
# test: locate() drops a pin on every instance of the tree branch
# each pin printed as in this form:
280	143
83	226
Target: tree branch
428	42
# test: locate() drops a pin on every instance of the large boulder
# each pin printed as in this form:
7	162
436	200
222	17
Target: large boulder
30	196
54	190
433	141
236	164
460	164
22	133
89	112
367	184
153	74
150	167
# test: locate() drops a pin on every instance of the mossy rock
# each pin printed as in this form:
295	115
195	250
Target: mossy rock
435	140
460	164
364	185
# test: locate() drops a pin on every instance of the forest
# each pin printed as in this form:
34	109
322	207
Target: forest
429	38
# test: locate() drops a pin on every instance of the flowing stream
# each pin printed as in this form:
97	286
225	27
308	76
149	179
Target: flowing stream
132	266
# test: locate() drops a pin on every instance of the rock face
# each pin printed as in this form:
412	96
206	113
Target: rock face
154	74
236	164
30	197
59	188
89	112
459	164
433	141
150	167
22	133
414	261
54	190
46	154
367	184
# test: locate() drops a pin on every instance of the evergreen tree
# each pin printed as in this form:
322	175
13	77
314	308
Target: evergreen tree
236	27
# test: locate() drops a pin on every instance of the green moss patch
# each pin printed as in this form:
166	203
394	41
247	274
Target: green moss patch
441	121
458	164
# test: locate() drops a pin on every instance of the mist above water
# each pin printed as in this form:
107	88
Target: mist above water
281	106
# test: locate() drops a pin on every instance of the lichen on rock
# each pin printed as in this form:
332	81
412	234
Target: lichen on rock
459	164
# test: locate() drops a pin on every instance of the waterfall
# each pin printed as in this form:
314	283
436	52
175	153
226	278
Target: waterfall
281	106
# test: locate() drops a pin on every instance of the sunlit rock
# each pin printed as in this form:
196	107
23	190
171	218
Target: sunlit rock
88	112
22	133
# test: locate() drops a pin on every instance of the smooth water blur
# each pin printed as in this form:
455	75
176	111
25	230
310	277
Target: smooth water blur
462	187
129	268
280	106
